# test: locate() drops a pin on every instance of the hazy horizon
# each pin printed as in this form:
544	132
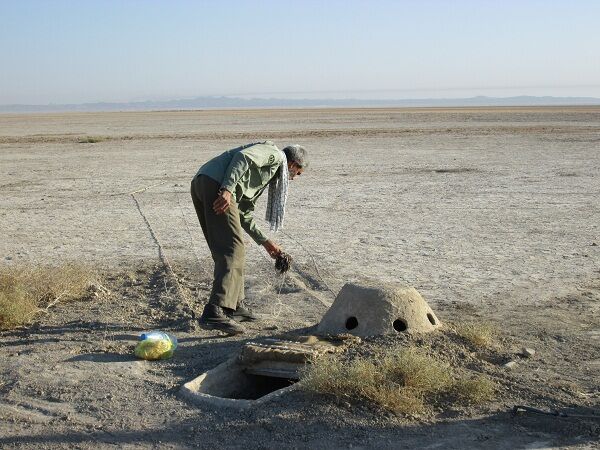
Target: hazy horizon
358	96
68	52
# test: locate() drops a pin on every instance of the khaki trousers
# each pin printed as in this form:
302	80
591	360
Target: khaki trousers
224	236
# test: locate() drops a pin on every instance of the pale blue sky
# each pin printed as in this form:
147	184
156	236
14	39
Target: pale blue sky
105	50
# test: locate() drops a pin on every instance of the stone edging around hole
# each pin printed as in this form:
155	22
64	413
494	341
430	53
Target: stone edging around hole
190	391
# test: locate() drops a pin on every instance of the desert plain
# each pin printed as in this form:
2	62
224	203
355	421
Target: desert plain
492	214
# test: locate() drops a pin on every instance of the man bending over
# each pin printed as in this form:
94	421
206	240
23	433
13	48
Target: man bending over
224	192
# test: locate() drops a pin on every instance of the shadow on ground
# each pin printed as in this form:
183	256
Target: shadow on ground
502	431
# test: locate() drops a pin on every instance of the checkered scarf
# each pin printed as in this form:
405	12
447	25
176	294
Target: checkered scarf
278	192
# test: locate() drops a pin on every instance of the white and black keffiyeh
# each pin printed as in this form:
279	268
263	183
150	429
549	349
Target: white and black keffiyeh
278	192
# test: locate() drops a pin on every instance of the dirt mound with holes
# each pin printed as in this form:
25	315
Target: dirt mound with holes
374	308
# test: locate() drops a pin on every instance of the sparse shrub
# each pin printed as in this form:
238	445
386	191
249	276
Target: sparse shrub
396	399
477	334
331	375
359	379
26	290
16	305
413	368
406	380
475	390
90	140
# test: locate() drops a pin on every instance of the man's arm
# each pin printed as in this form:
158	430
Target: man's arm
249	224
272	248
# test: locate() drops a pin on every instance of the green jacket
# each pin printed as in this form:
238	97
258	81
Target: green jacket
245	172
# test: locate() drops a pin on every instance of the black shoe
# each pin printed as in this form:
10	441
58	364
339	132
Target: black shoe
214	318
243	314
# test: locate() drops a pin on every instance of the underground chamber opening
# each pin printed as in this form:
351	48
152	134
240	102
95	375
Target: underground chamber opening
257	386
351	323
232	382
431	319
399	325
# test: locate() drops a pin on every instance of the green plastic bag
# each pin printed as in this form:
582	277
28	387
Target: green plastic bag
154	349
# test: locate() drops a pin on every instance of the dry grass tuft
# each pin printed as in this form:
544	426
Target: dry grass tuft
475	390
406	381
330	374
414	369
16	306
360	379
477	334
396	399
25	290
90	139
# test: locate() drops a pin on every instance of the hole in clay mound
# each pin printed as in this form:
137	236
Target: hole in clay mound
431	318
399	325
351	323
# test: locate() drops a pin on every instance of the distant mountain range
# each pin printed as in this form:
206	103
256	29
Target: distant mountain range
242	103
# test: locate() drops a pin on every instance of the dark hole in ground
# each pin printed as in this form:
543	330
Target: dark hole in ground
351	323
258	386
431	318
399	325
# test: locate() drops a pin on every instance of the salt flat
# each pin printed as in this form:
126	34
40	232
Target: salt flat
491	213
476	205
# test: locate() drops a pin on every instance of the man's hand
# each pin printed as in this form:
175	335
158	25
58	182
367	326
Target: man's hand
222	202
272	248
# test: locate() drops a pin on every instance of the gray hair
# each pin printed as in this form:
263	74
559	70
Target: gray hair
297	154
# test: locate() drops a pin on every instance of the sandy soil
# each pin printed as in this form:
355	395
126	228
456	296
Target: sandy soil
492	214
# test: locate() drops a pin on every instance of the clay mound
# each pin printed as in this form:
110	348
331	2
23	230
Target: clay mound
377	308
